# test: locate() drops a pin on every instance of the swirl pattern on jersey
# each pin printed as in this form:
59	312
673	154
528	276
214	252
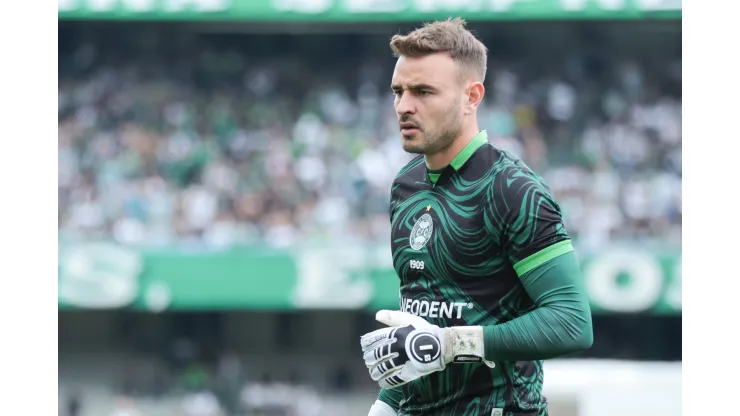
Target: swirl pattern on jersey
487	216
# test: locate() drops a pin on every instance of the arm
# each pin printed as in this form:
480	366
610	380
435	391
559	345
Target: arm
561	322
527	222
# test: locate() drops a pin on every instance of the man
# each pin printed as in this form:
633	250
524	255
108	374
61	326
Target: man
490	285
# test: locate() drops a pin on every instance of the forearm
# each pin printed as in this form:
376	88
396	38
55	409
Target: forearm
560	324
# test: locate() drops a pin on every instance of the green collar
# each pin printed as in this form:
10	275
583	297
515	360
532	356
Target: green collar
458	161
479	140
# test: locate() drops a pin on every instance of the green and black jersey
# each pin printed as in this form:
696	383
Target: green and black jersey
462	239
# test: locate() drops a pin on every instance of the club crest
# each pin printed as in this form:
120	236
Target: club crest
422	232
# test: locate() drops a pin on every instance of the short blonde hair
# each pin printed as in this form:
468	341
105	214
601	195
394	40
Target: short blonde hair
449	36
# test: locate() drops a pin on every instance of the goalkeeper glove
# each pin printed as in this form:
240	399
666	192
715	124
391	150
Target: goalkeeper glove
412	347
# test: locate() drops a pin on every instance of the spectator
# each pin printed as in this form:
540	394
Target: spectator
287	151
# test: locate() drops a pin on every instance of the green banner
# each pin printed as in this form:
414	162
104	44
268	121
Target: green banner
366	10
106	276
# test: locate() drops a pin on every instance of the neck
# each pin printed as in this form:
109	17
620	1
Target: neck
443	158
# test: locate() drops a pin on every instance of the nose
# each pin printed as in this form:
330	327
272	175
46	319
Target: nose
405	104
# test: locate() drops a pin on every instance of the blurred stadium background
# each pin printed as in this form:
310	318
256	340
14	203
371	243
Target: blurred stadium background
224	171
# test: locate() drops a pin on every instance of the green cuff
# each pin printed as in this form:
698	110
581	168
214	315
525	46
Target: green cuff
543	256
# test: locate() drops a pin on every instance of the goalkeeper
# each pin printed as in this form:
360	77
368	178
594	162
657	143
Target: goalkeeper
490	285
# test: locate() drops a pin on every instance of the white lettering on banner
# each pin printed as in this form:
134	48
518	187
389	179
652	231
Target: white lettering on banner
659	4
448	5
68	5
336	278
673	294
141	5
302	6
577	5
158	296
146	5
641	293
504	5
434	309
101	5
364	6
427	6
430	6
373	6
197	5
98	275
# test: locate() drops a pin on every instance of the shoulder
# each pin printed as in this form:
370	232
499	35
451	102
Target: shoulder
405	180
521	208
516	191
491	165
413	170
511	176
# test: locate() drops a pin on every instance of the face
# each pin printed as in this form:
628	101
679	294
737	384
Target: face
429	102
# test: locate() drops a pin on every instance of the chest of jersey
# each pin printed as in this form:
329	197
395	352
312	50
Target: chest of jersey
444	257
432	231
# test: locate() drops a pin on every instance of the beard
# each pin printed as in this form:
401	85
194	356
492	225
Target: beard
435	138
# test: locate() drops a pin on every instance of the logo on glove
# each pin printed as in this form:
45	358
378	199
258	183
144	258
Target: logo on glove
425	348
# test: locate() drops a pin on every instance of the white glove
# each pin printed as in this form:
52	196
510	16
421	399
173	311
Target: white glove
412	347
381	409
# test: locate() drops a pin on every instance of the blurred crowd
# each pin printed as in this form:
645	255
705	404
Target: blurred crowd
213	389
283	141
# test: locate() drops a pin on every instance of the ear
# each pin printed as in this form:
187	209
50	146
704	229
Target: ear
475	93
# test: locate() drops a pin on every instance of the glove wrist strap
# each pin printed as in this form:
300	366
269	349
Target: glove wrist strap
464	344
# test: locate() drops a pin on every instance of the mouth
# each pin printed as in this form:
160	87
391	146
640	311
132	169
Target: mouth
409	129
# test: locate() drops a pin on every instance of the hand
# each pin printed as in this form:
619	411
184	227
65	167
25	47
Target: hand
410	348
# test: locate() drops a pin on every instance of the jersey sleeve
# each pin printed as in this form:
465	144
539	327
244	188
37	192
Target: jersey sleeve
391	397
526	222
523	217
560	324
